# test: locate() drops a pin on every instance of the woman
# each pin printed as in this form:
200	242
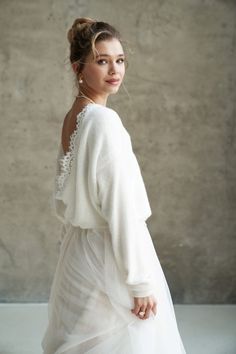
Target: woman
109	294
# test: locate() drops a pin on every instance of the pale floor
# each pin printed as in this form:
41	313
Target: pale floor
205	329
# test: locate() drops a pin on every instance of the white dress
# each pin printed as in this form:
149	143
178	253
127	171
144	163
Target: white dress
106	252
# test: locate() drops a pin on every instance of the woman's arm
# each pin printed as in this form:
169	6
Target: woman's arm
118	188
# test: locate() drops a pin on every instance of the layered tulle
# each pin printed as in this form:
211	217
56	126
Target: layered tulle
90	306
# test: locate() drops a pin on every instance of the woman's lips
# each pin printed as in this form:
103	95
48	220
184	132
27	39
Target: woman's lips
113	82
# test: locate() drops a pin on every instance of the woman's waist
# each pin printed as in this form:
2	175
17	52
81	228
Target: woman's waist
79	230
90	228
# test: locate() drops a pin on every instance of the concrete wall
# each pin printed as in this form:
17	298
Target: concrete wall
180	113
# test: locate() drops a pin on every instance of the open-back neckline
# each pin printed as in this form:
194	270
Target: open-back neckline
66	159
74	133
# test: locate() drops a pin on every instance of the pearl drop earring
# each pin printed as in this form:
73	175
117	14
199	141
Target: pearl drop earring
80	81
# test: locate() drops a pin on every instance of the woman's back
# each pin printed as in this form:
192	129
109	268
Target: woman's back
69	124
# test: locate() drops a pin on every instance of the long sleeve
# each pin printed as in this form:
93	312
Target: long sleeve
121	190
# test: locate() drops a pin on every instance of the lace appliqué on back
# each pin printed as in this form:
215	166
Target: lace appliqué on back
65	163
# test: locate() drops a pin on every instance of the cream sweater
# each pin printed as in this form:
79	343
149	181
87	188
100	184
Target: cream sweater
99	185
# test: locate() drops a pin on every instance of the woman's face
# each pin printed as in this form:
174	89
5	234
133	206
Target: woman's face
103	75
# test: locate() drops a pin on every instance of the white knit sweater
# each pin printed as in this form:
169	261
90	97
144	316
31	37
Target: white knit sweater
99	184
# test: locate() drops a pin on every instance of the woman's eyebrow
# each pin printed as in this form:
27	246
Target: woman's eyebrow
107	55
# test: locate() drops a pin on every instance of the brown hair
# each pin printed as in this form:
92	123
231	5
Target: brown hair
83	35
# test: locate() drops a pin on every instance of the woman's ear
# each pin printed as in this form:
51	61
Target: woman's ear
75	67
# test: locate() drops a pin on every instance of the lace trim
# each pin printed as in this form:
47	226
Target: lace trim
66	161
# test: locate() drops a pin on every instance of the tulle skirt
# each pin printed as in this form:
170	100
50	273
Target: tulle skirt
90	306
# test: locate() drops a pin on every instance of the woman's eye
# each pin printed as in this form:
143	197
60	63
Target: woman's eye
121	60
104	61
101	61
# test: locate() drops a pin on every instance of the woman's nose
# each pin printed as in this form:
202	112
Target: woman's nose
112	69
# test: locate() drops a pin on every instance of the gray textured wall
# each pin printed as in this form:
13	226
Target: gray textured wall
180	115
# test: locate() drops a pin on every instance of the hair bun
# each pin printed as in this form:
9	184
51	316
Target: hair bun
79	25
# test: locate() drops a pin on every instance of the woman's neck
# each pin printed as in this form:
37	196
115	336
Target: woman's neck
100	99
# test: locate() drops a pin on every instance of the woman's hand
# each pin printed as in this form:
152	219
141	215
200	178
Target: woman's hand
144	305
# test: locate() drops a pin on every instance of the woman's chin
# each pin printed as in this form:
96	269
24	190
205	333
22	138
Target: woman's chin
113	90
